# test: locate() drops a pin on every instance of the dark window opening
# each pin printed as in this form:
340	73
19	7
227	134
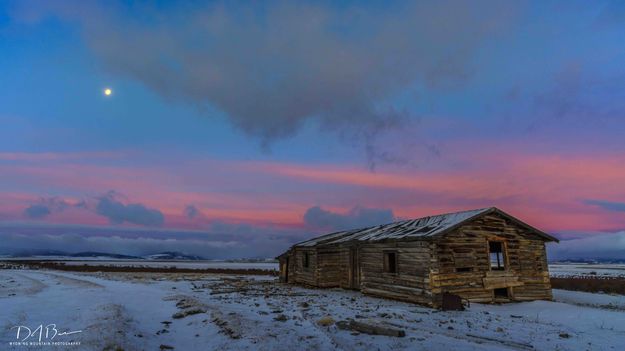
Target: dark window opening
464	269
390	262
539	262
495	249
306	262
501	293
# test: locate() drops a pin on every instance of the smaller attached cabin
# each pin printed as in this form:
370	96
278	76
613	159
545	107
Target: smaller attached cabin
481	255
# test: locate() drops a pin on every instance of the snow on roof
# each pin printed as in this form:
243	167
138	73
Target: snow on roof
412	228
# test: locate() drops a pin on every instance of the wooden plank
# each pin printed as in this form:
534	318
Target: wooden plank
501	282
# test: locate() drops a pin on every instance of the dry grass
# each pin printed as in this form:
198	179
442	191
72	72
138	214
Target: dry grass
60	266
325	321
612	285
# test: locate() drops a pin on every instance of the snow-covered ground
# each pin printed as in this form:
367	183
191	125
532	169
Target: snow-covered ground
136	311
176	264
562	270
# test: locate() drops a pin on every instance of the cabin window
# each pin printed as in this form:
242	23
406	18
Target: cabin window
390	262
539	261
495	248
306	260
464	269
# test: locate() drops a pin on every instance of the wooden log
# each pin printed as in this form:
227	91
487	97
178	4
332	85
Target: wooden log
510	343
369	328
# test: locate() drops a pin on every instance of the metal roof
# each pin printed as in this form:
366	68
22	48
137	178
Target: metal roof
412	229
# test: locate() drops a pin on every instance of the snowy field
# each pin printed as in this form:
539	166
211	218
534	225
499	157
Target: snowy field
149	311
177	264
583	269
187	264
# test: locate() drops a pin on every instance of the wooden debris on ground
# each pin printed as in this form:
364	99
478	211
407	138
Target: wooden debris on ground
224	326
370	328
188	306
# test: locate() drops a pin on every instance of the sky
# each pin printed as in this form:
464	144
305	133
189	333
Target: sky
235	129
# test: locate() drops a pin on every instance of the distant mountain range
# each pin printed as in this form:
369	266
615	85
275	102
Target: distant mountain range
91	254
167	255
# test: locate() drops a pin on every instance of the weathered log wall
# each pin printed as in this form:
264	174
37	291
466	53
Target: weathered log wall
300	274
283	268
333	267
410	283
526	275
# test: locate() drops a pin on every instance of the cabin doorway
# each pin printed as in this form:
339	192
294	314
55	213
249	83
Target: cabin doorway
354	271
286	270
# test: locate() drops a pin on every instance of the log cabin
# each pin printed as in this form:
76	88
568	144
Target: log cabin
483	255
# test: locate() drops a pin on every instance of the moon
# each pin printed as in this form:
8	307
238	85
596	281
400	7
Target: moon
108	91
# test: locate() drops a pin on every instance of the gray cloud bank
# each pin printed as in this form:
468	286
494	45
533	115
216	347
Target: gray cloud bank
191	211
271	67
220	241
48	205
607	205
118	213
107	205
607	246
223	240
37	211
358	217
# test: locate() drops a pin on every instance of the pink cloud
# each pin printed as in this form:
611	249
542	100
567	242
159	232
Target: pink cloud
546	190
